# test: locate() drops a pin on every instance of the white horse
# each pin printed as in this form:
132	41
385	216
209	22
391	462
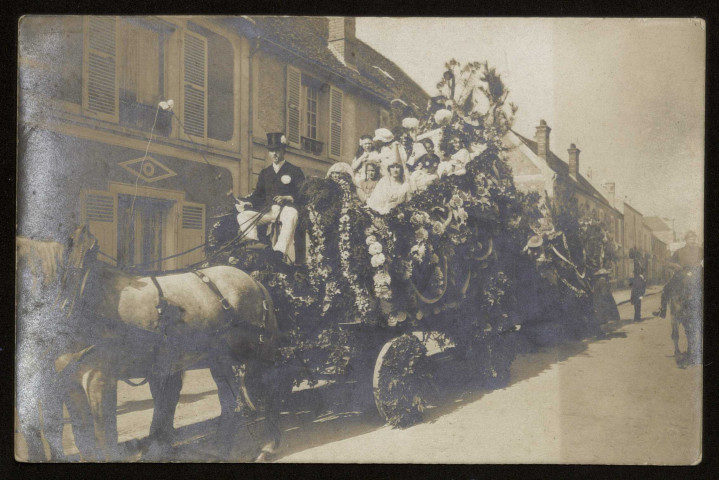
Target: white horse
117	331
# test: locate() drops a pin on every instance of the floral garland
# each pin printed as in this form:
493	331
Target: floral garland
363	302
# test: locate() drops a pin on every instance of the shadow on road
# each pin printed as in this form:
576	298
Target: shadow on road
334	412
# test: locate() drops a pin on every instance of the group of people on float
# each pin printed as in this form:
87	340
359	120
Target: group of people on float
385	176
382	172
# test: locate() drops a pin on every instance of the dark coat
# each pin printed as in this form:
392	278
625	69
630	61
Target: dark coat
639	287
269	185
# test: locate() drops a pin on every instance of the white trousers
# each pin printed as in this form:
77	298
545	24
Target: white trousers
288	220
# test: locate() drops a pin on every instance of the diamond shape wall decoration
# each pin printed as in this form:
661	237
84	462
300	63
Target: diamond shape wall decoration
150	170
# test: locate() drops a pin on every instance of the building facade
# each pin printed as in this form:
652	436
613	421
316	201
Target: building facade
95	146
536	168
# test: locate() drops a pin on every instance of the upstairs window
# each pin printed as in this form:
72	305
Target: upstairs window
140	55
312	95
125	77
208	86
304	97
384	118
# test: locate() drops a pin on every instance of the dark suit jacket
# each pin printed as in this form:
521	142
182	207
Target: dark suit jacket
639	288
270	184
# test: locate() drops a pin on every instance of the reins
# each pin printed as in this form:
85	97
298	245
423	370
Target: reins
137	268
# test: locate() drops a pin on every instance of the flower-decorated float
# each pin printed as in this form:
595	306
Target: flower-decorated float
468	268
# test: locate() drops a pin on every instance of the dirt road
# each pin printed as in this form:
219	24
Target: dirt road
617	400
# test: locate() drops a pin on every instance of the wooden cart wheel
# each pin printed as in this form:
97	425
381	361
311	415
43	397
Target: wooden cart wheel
395	357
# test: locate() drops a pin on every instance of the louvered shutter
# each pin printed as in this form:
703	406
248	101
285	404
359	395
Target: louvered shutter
294	97
383	118
336	98
192	233
194	86
100	86
100	213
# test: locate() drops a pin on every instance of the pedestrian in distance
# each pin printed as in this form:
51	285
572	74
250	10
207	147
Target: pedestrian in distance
639	287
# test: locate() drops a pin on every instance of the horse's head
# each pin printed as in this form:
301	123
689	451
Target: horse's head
81	246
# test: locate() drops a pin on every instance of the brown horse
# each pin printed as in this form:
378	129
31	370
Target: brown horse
131	327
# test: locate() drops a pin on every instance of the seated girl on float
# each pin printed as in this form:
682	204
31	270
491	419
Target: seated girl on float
457	162
393	188
419	149
425	173
365	152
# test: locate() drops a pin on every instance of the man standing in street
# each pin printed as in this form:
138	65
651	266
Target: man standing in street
639	286
277	191
691	255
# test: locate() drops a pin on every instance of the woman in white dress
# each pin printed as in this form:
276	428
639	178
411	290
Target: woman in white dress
392	189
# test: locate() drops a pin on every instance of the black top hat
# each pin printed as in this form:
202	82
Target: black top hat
276	140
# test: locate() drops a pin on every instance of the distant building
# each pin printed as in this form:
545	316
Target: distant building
536	168
661	237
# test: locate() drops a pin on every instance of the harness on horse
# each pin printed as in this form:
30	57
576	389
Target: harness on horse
226	306
211	285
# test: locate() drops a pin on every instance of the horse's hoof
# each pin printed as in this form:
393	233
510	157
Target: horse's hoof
157	451
265	457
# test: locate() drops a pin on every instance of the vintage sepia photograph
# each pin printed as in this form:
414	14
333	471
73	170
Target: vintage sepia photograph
359	240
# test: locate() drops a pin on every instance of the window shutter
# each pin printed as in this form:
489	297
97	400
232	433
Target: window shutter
192	233
100	86
194	86
336	97
383	118
294	97
100	213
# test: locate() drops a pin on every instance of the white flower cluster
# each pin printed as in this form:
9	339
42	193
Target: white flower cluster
443	117
362	299
410	123
382	278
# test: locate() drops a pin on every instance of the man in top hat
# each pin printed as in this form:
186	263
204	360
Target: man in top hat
690	256
278	188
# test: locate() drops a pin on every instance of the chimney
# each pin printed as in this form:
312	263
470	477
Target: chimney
610	189
573	160
341	39
542	138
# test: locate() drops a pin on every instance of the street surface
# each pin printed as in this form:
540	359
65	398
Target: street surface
620	400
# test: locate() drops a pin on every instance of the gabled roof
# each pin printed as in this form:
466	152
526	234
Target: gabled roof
656	224
307	38
562	168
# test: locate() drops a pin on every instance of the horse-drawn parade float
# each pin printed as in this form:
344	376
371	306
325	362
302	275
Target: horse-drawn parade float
445	289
